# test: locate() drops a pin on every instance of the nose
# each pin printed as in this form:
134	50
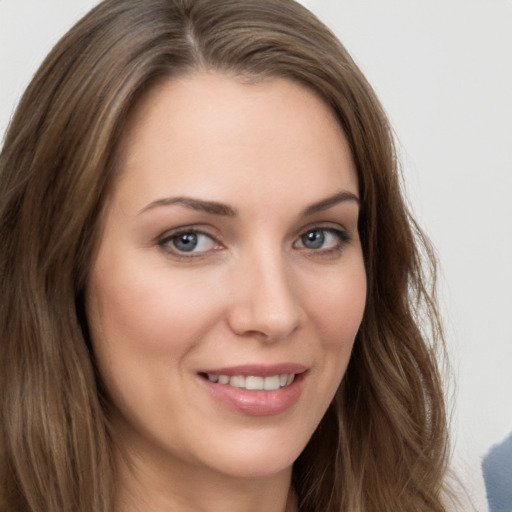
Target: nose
264	302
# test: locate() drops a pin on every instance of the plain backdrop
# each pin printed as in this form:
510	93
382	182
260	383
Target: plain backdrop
443	71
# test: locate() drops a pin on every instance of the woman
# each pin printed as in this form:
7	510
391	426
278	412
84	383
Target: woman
213	296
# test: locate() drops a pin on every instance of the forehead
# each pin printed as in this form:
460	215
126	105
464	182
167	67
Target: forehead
206	133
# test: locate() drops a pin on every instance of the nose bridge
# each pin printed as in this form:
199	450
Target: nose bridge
266	302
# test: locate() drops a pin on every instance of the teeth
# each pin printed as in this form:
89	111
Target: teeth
271	383
237	381
223	379
254	382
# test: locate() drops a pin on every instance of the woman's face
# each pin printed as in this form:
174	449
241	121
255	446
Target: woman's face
229	283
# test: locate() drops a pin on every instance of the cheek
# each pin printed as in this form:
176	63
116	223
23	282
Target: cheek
150	309
337	308
144	322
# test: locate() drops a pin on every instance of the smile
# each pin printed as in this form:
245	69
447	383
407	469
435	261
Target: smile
253	382
254	389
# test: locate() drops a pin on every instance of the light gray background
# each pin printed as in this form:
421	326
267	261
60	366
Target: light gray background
443	70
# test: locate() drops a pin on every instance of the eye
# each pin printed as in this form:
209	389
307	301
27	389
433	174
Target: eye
323	239
189	241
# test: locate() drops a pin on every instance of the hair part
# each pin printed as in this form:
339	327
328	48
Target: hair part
382	444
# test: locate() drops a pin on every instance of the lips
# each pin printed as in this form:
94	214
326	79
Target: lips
256	390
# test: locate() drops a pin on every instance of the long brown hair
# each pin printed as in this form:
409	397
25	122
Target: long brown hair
382	443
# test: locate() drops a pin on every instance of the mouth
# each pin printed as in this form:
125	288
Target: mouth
254	389
252	382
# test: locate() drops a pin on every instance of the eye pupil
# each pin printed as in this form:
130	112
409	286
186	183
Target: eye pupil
186	242
313	239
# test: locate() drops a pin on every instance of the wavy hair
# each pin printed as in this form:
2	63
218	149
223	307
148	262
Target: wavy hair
382	445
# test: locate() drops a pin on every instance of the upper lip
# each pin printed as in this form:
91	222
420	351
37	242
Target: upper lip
258	370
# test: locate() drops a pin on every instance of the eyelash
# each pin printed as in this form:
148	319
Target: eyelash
343	238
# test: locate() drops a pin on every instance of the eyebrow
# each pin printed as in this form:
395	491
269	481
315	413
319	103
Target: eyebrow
331	201
211	207
215	208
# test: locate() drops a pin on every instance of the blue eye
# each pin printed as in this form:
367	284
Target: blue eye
186	242
323	238
189	242
313	239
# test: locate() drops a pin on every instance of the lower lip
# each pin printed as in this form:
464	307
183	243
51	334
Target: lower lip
258	403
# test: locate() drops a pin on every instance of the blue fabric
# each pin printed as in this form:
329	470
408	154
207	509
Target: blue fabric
497	470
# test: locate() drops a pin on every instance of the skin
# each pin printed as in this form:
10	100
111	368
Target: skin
253	291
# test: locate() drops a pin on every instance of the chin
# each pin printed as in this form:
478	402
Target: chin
259	458
256	467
